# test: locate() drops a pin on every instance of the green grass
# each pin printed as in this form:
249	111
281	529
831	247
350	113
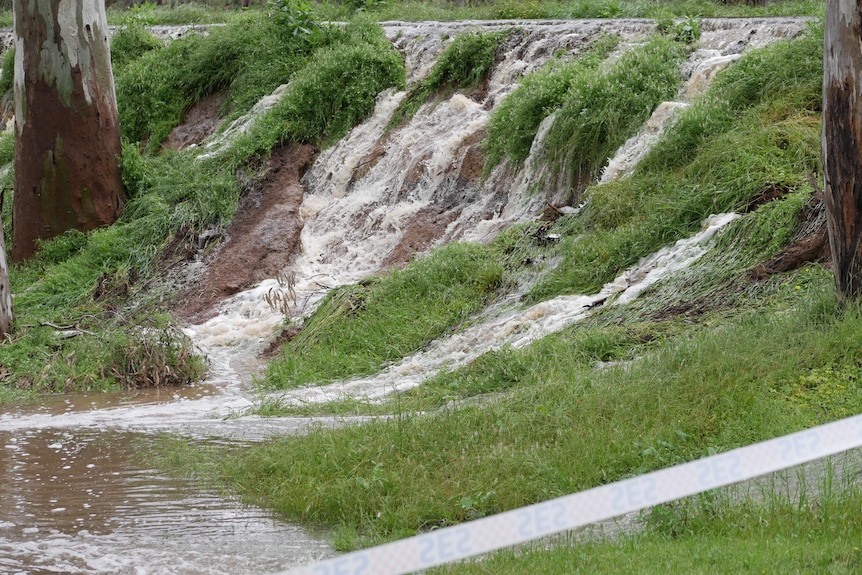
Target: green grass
777	537
527	9
87	280
698	392
464	63
631	389
628	391
756	131
514	123
352	332
603	109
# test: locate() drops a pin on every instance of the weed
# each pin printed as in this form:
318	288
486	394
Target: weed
157	358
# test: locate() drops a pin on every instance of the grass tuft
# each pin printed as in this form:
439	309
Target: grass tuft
463	65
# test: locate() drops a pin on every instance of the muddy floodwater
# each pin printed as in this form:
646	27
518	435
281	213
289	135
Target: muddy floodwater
77	496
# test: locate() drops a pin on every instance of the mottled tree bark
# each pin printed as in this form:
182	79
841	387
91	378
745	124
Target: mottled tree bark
5	290
842	142
67	132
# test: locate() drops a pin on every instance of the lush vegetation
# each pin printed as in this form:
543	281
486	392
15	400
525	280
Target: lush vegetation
515	122
689	369
351	333
713	358
757	130
94	285
464	63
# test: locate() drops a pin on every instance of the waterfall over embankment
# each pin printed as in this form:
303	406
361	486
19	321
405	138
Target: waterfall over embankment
384	193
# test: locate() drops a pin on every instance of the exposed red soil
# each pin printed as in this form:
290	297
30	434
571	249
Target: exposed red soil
431	222
260	241
201	122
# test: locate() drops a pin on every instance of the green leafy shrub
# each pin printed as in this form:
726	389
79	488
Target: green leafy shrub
294	19
520	10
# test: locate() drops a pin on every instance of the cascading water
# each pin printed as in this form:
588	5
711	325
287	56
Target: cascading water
72	497
377	187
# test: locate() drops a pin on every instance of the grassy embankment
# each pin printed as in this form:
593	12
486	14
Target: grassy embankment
697	366
715	358
104	283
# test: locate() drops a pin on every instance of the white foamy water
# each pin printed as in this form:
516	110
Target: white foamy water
515	328
364	193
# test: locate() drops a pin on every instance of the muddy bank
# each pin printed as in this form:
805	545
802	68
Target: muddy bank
260	240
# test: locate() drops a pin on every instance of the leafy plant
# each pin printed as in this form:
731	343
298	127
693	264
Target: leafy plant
294	19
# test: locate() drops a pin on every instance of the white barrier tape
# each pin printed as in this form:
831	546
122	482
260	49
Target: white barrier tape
597	504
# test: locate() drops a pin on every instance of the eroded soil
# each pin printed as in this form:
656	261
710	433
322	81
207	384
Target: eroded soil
260	240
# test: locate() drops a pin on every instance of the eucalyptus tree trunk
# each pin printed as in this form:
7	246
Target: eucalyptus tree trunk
67	132
842	143
5	290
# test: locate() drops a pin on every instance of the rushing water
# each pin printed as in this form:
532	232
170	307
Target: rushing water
74	497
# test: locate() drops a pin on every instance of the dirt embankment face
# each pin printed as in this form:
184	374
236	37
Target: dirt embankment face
261	239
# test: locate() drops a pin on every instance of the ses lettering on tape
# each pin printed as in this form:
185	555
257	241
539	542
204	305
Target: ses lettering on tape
352	564
719	470
633	494
444	545
542	519
597	504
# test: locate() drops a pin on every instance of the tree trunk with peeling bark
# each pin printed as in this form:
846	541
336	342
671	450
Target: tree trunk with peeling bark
842	143
67	131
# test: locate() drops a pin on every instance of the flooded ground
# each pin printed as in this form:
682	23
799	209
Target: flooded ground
81	502
78	497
